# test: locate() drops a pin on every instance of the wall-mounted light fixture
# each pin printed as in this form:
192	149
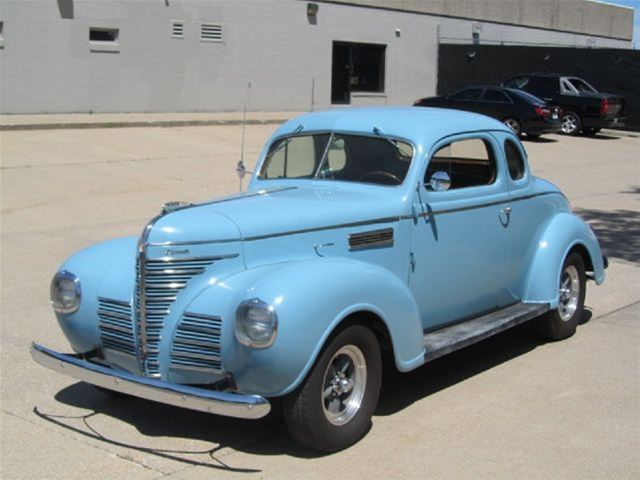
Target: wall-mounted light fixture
312	9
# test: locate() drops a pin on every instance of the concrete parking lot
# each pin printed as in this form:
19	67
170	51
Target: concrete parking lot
510	407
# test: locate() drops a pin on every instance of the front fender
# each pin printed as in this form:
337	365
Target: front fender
92	265
563	232
311	298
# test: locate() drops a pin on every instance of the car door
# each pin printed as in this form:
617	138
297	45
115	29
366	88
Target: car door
460	246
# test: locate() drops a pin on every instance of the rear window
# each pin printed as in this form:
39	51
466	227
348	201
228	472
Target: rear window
468	94
496	96
515	162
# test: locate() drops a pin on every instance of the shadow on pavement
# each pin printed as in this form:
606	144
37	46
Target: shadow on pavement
618	231
539	140
269	436
601	136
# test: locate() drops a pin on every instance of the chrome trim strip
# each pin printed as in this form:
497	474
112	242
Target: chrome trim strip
112	300
193	398
354	224
192	368
484	205
160	260
329	227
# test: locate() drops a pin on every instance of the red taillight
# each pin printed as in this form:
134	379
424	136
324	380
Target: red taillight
604	106
542	111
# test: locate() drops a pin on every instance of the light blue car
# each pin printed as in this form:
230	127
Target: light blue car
408	231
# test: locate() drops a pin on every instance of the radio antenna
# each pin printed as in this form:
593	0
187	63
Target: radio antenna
241	169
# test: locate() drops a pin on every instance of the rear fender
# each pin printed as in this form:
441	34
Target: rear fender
564	232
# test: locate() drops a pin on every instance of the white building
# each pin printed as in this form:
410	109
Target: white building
200	55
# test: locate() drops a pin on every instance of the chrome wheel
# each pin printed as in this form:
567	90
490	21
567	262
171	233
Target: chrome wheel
569	293
569	124
344	385
513	124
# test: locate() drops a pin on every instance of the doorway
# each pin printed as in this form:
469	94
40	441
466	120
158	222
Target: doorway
356	67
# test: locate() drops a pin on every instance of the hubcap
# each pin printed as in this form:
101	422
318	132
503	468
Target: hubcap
344	385
569	292
513	125
569	124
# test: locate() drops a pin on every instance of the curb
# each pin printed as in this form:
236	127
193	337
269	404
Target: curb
152	123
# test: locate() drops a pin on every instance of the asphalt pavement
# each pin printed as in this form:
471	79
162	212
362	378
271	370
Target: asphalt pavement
509	407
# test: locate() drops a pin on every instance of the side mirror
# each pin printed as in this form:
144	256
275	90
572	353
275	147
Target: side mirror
440	181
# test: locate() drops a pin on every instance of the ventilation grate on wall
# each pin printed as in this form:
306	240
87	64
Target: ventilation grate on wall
177	30
210	32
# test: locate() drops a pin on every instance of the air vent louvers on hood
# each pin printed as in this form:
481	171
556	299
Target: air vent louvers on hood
371	239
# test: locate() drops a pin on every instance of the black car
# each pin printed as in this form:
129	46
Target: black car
585	109
522	112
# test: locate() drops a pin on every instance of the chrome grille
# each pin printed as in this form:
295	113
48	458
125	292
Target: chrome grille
116	325
196	343
163	280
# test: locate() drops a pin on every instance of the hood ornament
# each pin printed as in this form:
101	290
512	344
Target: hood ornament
170	207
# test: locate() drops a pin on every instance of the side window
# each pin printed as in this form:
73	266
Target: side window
468	94
496	96
515	162
469	163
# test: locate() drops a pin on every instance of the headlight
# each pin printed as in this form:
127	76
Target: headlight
256	324
65	292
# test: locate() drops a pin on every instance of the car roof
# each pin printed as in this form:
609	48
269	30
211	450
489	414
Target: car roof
421	125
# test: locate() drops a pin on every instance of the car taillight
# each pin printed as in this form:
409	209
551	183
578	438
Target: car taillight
416	103
542	111
604	106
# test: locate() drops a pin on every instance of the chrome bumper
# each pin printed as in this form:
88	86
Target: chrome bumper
193	398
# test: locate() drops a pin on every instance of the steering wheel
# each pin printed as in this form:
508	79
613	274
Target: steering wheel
384	175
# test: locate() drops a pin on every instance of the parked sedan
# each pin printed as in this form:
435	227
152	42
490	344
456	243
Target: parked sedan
520	111
408	231
585	109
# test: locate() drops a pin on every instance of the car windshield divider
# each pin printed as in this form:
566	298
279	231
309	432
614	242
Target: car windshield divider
325	156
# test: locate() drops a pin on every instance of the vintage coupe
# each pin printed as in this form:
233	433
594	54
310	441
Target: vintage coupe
407	231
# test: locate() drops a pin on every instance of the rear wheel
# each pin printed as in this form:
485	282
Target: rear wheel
514	125
332	409
562	322
571	123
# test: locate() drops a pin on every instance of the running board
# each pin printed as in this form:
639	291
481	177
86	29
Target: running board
452	338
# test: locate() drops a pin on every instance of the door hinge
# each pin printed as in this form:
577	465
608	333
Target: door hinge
412	261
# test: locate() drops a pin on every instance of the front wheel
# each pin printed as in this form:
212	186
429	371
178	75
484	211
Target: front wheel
332	409
562	322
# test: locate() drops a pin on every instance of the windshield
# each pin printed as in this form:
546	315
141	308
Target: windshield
353	158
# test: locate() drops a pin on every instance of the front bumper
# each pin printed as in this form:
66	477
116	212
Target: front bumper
193	398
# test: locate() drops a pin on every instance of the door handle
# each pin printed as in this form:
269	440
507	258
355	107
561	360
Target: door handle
506	210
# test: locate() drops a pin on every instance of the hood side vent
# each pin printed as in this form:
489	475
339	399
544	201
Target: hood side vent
371	239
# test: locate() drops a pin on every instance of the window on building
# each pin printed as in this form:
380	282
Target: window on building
103	35
469	163
177	30
210	32
357	67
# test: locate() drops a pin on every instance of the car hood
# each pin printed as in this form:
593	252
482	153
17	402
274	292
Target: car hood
276	212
